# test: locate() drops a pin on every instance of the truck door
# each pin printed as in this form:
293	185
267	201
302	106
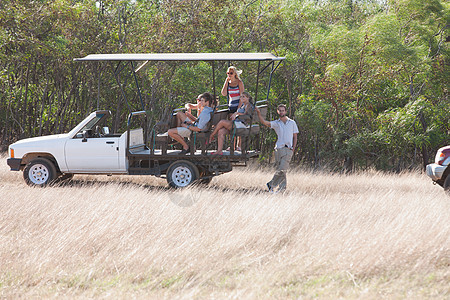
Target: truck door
97	154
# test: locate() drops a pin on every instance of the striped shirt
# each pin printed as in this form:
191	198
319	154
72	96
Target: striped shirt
235	96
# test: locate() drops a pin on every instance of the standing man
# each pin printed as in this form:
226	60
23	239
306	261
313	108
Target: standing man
286	130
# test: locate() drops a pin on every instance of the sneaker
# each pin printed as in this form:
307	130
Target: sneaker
184	151
164	134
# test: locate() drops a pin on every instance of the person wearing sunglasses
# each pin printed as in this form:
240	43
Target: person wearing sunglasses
233	88
207	102
189	107
224	127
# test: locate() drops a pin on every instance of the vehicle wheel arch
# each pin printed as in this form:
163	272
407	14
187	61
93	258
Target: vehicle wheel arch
30	156
40	172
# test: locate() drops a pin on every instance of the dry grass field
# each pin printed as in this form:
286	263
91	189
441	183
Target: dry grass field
365	236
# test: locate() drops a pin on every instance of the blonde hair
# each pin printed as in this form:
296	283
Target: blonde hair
236	71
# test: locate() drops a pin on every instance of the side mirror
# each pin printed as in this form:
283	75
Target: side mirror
105	130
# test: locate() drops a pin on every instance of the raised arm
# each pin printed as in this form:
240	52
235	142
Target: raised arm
261	119
224	89
190	106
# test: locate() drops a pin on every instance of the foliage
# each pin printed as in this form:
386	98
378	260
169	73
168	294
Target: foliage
367	81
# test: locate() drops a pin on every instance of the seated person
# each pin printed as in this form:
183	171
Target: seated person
187	126
224	126
191	106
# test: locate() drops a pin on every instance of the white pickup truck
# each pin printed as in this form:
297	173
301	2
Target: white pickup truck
86	149
89	148
439	171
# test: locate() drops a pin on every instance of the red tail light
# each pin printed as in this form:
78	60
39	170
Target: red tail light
442	155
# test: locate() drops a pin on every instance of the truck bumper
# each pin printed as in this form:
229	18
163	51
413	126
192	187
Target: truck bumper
435	171
14	163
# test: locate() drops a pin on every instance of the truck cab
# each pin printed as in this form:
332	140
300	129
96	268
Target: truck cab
86	149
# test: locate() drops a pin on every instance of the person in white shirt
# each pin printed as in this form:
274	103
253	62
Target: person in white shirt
286	130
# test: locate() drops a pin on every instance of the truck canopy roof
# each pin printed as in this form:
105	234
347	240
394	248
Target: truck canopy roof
182	57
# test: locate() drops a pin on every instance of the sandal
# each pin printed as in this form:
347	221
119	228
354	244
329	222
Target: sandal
216	153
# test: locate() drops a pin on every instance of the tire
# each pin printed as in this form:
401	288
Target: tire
182	173
39	172
446	185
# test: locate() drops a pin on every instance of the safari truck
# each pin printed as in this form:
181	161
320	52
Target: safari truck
90	147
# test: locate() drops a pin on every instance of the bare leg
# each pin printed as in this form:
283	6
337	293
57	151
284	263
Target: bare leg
181	117
173	133
222	124
221	139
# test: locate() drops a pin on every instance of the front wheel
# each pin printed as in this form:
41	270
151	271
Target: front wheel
39	172
182	173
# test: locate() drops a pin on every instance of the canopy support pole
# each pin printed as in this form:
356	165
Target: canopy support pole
137	85
214	79
116	76
257	82
270	80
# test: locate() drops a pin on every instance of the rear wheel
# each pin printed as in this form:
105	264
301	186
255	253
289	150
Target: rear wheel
39	172
182	173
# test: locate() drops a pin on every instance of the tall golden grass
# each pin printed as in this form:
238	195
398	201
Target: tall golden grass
368	235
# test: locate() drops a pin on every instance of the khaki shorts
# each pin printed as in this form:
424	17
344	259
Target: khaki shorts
184	132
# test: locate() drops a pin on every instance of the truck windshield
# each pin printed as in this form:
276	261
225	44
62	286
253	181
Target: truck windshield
91	124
